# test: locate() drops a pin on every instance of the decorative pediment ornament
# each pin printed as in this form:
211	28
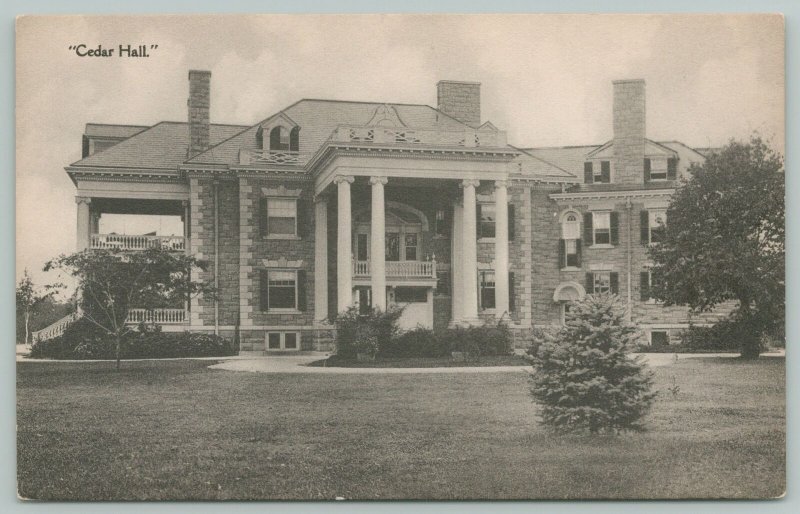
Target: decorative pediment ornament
385	116
281	190
282	262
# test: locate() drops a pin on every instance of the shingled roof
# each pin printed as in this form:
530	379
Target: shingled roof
317	120
162	146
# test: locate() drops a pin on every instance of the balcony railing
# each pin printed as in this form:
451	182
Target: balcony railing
158	316
399	269
256	157
469	138
126	242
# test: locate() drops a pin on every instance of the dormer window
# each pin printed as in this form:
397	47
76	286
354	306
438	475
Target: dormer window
660	169
282	139
597	172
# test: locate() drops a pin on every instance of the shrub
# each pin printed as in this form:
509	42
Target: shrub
84	340
486	340
725	336
419	342
352	337
585	378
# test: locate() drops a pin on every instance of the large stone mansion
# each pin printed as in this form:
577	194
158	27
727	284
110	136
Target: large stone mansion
329	204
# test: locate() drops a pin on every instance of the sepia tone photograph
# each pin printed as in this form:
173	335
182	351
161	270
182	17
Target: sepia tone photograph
400	257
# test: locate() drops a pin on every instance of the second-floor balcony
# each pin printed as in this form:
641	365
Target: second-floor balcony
136	243
398	269
469	138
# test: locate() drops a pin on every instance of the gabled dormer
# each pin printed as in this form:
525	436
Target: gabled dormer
278	134
659	164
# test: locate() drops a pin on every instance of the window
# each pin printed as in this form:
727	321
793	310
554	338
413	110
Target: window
659	337
441	227
657	221
487	282
411	247
443	283
602	282
487	218
392	246
282	216
570	243
646	282
602	228
658	168
599	172
410	295
281	289
565	308
283	341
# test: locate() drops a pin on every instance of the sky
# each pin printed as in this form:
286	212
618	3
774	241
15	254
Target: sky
545	79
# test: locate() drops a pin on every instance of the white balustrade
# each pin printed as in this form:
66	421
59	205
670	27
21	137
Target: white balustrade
403	135
130	242
55	329
158	316
399	269
255	157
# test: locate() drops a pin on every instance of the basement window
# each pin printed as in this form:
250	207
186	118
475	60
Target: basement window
283	341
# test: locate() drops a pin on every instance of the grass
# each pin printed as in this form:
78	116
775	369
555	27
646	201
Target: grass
422	362
176	430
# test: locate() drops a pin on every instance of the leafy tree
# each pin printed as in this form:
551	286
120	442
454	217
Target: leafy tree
112	282
725	240
584	376
30	299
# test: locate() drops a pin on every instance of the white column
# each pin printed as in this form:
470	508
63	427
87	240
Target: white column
456	264
469	253
501	247
378	244
344	256
320	259
84	222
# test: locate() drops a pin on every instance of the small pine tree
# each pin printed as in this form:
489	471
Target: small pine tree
584	376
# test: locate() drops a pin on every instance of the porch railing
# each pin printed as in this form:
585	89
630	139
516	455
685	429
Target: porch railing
128	242
159	316
399	269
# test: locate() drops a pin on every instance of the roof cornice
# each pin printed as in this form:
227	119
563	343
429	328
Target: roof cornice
602	195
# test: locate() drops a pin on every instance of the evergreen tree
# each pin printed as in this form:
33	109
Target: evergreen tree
584	376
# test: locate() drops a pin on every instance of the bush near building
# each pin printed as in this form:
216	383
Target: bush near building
83	340
584	377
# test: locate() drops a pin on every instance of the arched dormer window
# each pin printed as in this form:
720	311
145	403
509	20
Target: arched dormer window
283	139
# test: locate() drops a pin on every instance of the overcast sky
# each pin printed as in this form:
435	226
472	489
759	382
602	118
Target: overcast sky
546	80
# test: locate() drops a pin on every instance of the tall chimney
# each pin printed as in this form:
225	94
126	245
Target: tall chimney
629	131
461	100
199	104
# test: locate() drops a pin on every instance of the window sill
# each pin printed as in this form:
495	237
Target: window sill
486	240
282	311
282	237
571	268
652	301
602	247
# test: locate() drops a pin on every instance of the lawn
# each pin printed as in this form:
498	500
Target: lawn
176	430
422	362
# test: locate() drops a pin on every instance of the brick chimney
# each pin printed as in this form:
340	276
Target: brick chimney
199	103
629	131
461	100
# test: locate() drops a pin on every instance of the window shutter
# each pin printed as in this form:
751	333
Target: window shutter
301	290
644	285
590	283
510	222
263	229
578	250
562	253
644	224
480	300
614	282
614	228
264	285
303	230
647	170
605	172
588	228
511	304
588	174
672	168
478	220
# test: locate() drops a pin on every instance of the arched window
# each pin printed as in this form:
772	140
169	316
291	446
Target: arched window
570	226
282	139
